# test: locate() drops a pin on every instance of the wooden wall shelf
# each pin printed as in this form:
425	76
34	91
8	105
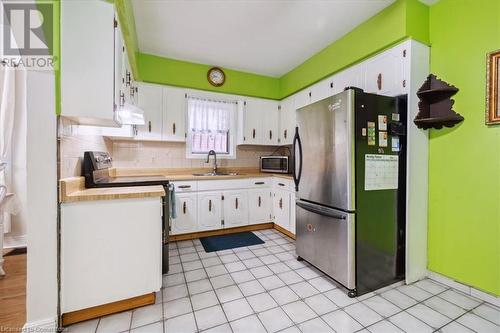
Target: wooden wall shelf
435	106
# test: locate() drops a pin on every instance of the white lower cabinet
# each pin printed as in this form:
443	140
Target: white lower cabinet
216	204
259	206
235	208
186	211
209	211
281	208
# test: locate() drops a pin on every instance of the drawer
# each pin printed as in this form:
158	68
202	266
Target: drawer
260	182
283	184
185	186
223	184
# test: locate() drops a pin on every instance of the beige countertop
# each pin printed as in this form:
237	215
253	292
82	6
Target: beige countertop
73	189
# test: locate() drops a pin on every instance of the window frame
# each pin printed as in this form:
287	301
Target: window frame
232	137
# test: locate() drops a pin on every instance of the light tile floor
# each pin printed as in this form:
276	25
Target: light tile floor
264	288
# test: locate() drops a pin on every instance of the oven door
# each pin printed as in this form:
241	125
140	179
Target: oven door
277	164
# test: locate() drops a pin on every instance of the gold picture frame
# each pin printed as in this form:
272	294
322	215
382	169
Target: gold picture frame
493	82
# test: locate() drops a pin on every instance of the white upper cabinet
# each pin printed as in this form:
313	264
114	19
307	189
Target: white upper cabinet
174	114
287	120
321	90
351	77
302	98
235	208
150	100
384	73
260	122
88	62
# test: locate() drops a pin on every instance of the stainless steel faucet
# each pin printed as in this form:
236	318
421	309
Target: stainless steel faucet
212	152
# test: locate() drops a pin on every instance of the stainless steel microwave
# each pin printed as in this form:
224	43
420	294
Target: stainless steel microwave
275	164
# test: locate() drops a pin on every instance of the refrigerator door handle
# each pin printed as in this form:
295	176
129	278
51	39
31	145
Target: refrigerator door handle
297	143
321	210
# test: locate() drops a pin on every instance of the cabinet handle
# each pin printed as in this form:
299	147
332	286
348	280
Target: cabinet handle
260	201
253	133
259	183
270	134
281	184
149	126
404	83
310	94
184	186
127	78
184	207
404	53
236	203
281	203
285	132
379	81
173	128
331	85
209	205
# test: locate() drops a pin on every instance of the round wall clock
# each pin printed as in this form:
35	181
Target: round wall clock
216	76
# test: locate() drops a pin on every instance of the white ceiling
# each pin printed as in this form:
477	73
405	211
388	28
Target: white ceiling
265	37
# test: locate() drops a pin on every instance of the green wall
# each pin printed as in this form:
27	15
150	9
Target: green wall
464	178
162	70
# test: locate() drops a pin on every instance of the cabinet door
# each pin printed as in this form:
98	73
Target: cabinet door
281	208
252	129
149	99
118	80
302	98
320	90
174	114
269	120
87	72
287	121
235	208
351	77
186	214
259	206
383	73
209	210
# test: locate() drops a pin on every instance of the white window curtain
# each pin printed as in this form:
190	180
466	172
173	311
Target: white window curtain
210	125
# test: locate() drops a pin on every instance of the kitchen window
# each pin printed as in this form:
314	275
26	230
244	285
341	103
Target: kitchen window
211	126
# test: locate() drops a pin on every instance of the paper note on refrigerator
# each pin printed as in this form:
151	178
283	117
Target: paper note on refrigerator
381	172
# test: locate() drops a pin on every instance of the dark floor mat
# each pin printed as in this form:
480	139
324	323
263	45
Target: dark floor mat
225	242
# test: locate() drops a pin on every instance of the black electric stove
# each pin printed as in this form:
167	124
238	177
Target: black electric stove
96	167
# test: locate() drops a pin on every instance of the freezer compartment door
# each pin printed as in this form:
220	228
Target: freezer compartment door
324	151
326	239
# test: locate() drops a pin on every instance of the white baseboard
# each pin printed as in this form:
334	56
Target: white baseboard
14	241
466	289
44	325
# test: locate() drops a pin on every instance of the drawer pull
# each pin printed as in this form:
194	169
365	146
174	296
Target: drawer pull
281	184
281	203
209	205
259	183
270	134
285	133
260	201
184	186
253	133
173	128
379	81
184	207
236	203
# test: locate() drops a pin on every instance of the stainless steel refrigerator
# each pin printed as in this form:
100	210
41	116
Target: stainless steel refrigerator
349	173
